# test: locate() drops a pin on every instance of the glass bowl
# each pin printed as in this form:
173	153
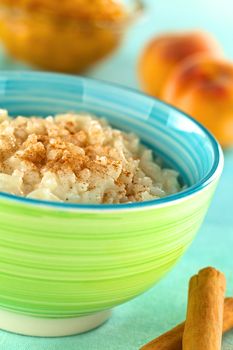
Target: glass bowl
56	41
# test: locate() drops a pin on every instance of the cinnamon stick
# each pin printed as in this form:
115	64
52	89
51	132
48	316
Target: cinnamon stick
204	321
228	315
172	340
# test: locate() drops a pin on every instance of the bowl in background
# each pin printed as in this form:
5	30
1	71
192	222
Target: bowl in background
51	39
64	266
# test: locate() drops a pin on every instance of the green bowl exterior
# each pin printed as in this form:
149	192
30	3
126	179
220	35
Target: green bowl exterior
64	263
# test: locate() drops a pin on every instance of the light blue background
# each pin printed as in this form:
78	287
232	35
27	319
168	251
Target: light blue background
144	318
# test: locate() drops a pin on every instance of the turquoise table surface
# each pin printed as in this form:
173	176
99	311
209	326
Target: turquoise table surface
161	308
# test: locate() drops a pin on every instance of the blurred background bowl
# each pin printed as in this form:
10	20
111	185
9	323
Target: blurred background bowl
61	263
61	41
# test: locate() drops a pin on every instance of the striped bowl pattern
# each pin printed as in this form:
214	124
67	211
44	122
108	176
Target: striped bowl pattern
67	260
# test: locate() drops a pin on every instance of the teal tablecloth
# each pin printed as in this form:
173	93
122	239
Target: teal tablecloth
144	318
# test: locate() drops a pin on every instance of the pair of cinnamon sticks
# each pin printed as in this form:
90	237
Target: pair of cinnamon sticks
208	316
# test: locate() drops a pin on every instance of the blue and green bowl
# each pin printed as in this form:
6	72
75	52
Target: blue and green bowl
64	266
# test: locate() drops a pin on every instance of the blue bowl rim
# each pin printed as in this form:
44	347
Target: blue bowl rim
212	175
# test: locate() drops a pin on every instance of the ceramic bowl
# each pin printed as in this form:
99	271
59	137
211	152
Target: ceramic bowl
63	267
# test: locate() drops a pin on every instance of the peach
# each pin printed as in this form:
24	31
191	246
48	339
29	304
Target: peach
203	87
165	52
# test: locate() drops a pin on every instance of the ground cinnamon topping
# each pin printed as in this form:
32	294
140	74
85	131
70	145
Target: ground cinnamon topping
78	158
